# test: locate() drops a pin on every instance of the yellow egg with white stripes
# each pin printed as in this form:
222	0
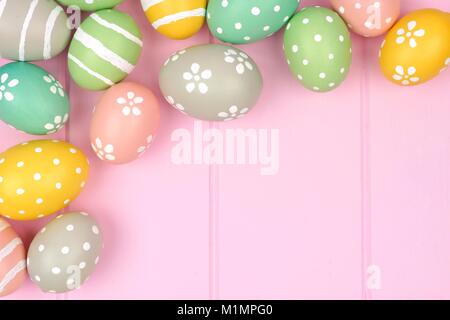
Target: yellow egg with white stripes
175	19
40	177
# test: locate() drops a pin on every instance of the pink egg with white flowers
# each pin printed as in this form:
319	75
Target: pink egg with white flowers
368	18
124	123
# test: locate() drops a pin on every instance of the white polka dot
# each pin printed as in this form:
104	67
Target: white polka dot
2	160
21	211
238	26
72	150
341	38
82	184
66	201
331	56
219	30
247	38
329	19
295	48
267	28
70	227
20	164
322	75
56	270
358	5
316	88
305	21
37	176
37	278
41	248
56	161
95	229
342	70
20	191
78	170
305	62
341	9
317	38
39	201
331	85
256	11
224	3
65	250
277	8
1	179
1	200
82	265
38	150
86	246
58	185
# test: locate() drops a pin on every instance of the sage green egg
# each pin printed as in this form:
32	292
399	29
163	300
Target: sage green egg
104	49
318	48
91	5
240	22
31	99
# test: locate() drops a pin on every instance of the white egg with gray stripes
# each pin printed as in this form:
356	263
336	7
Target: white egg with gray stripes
65	252
32	29
104	50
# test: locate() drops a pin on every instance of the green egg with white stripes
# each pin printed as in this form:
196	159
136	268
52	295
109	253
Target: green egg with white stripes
104	49
91	5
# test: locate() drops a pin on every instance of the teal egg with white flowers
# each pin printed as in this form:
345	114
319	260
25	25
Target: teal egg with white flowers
31	99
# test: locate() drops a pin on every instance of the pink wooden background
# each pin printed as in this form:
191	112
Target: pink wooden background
364	179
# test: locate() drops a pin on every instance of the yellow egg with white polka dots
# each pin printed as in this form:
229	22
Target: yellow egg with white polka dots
40	177
417	48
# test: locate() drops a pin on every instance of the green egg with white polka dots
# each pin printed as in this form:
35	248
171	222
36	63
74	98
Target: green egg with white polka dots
31	99
240	22
318	48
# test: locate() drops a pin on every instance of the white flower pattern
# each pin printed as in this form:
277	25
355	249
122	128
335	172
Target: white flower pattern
104	152
410	34
232	113
130	104
57	123
55	86
197	79
241	60
5	85
405	78
141	149
172	102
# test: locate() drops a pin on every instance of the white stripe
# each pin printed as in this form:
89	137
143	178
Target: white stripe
2	6
91	72
6	250
103	52
50	25
200	12
25	26
117	29
3	224
149	3
12	274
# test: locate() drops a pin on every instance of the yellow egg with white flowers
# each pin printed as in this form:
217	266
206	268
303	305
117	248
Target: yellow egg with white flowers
175	19
417	48
40	177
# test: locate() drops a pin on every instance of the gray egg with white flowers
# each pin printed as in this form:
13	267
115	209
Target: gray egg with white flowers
65	252
211	82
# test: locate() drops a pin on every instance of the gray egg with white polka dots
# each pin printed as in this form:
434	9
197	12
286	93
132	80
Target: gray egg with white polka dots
64	253
212	82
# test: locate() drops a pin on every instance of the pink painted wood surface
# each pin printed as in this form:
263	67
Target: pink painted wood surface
363	180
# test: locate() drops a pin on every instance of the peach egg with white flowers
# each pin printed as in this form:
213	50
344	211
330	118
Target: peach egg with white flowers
124	123
368	18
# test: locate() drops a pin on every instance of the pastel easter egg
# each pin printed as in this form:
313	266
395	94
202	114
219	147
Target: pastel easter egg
175	19
12	260
368	18
317	46
124	123
32	29
91	5
65	253
31	99
211	82
417	48
104	50
40	177
237	21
